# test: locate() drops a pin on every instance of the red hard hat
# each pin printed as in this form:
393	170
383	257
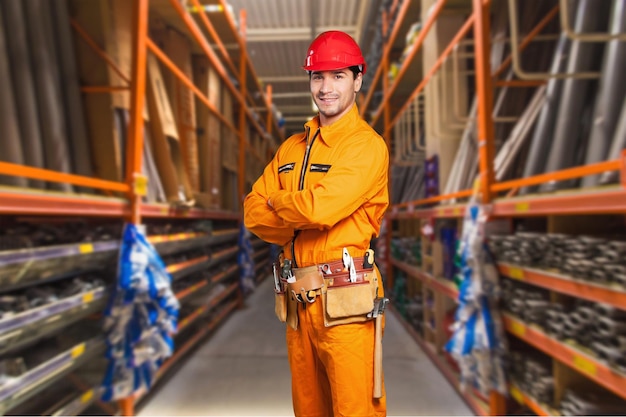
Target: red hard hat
333	50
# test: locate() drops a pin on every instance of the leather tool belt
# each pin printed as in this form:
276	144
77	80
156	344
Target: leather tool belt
344	300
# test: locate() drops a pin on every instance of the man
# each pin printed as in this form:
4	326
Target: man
322	198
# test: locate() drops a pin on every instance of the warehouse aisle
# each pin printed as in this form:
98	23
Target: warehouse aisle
242	370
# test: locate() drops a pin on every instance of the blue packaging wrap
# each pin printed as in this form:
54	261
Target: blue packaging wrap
140	318
478	344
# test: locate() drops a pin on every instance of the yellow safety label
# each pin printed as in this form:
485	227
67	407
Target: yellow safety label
78	350
522	207
516	273
585	365
86	397
85	248
517	394
518	328
141	185
87	298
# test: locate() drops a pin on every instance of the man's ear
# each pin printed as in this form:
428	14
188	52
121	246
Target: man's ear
358	82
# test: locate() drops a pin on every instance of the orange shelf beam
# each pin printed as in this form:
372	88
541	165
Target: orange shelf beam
439	285
191	318
175	237
524	399
565	285
183	265
574	358
163	210
65	204
56	176
190	290
217	278
589	202
599	201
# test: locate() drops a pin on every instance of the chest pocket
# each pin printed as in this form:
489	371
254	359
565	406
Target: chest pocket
319	168
286	175
317	172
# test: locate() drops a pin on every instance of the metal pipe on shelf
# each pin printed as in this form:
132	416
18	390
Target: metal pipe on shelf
527	39
585	37
515	55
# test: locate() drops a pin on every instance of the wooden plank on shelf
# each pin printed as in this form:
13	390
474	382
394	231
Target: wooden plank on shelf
568	355
178	48
561	283
164	136
209	134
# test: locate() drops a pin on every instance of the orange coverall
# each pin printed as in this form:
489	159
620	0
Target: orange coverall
328	190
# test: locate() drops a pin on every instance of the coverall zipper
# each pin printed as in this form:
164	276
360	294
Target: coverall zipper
305	163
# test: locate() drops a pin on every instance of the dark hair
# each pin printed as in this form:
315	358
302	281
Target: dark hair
355	70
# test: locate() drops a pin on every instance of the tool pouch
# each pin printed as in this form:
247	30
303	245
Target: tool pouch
349	302
280	306
307	279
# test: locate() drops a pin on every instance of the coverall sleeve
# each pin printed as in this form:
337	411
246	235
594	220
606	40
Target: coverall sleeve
356	177
259	217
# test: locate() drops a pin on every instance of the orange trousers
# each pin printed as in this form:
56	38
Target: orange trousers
332	368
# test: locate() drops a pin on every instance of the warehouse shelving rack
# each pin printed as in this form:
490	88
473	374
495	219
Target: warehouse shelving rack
254	109
496	196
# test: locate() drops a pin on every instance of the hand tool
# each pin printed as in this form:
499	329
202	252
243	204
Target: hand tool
277	286
346	259
368	259
377	313
352	271
348	264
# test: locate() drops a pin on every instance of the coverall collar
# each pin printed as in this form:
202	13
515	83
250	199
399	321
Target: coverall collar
332	133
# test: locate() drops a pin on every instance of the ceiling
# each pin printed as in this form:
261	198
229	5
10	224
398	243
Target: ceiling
278	33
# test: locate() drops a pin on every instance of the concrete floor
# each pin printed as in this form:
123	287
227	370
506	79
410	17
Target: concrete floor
242	370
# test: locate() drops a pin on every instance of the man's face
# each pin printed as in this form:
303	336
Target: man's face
334	93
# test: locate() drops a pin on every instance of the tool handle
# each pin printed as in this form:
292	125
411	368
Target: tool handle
368	259
378	358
